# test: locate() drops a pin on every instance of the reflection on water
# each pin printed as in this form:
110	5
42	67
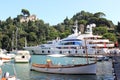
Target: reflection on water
45	76
104	70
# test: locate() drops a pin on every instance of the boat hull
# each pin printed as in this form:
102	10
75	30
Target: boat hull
10	78
75	69
22	60
5	59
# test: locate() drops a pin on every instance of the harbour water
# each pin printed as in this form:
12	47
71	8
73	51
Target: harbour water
22	70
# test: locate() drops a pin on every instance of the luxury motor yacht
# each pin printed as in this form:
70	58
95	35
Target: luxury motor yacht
74	44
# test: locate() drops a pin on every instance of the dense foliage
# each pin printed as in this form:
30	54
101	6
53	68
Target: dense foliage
13	33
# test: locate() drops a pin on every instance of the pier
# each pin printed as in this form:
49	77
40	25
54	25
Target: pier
116	67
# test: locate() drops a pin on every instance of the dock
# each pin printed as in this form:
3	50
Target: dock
116	67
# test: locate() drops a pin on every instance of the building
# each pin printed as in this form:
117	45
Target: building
29	18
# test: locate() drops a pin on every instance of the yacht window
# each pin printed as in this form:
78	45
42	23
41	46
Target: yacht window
42	51
23	56
72	40
48	51
60	52
83	51
77	43
42	46
69	51
49	42
71	43
76	52
58	47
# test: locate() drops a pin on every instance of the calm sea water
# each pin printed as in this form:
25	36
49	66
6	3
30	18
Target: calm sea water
22	70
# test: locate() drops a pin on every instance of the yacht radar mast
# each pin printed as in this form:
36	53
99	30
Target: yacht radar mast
76	28
89	28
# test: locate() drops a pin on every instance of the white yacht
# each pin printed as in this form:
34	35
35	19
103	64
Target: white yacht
74	44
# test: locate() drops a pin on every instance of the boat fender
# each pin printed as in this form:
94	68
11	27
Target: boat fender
6	75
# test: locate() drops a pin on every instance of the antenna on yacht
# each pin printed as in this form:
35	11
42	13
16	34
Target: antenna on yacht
76	28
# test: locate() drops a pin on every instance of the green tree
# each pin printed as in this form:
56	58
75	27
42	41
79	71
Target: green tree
32	36
110	36
118	27
99	15
1	37
100	30
21	43
53	33
6	42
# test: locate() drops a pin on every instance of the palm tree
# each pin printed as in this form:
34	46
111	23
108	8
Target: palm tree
25	12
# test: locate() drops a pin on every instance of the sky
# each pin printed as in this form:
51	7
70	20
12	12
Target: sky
55	11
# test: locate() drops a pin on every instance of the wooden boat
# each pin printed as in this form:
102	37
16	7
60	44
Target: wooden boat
65	69
22	56
49	67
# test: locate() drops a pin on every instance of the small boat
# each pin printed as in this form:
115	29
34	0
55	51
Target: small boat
4	57
22	56
49	67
